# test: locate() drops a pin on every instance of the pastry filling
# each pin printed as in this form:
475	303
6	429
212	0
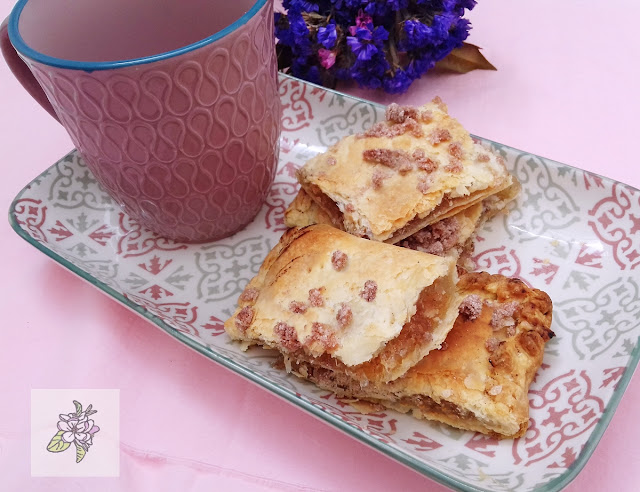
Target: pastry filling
435	239
431	309
327	204
447	208
428	406
346	387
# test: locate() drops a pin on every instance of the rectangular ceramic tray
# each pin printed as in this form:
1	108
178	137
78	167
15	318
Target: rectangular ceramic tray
571	233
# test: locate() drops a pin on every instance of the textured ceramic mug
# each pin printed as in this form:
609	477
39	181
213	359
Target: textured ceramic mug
173	104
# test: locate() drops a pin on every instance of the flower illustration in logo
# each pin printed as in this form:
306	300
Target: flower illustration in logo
76	428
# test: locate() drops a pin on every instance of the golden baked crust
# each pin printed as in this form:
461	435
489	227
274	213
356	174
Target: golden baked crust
303	212
388	187
480	379
367	308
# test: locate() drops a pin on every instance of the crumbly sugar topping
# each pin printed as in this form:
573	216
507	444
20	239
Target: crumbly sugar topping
249	294
244	318
382	130
369	291
471	307
377	180
392	158
439	135
287	336
298	307
399	114
399	120
315	298
440	103
492	344
339	260
455	149
321	334
344	316
426	116
454	166
503	315
424	162
423	185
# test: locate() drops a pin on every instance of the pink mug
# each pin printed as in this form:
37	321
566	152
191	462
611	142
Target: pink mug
173	104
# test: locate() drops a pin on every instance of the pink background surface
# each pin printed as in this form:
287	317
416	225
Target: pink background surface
566	89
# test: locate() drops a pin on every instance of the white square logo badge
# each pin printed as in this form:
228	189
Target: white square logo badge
75	433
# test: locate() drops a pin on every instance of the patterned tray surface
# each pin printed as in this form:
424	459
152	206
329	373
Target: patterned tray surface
573	234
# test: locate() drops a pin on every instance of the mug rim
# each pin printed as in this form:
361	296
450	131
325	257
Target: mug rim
24	49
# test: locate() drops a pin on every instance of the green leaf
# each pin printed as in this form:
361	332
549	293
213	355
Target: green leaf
57	445
80	452
465	59
78	407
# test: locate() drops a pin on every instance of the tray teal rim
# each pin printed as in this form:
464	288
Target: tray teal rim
421	467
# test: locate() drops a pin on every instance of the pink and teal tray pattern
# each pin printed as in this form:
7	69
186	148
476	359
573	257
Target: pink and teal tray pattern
571	233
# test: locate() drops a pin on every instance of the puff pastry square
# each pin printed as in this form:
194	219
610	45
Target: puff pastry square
479	380
367	309
414	169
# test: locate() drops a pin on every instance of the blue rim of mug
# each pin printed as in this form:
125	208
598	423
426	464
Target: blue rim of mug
24	49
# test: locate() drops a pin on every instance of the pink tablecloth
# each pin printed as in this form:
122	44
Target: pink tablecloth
566	89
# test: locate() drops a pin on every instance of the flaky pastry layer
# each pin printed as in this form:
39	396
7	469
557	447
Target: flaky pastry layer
348	303
479	379
303	211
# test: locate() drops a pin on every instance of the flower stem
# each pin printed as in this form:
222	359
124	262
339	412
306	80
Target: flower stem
393	52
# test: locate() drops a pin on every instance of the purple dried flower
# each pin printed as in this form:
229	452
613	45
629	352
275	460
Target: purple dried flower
283	30
299	28
398	84
313	75
466	4
327	36
300	6
379	43
385	7
417	35
327	58
365	44
341	5
442	23
363	20
419	65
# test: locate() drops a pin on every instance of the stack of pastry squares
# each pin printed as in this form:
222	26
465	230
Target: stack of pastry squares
395	327
417	179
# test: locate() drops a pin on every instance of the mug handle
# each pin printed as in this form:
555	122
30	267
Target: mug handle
21	71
